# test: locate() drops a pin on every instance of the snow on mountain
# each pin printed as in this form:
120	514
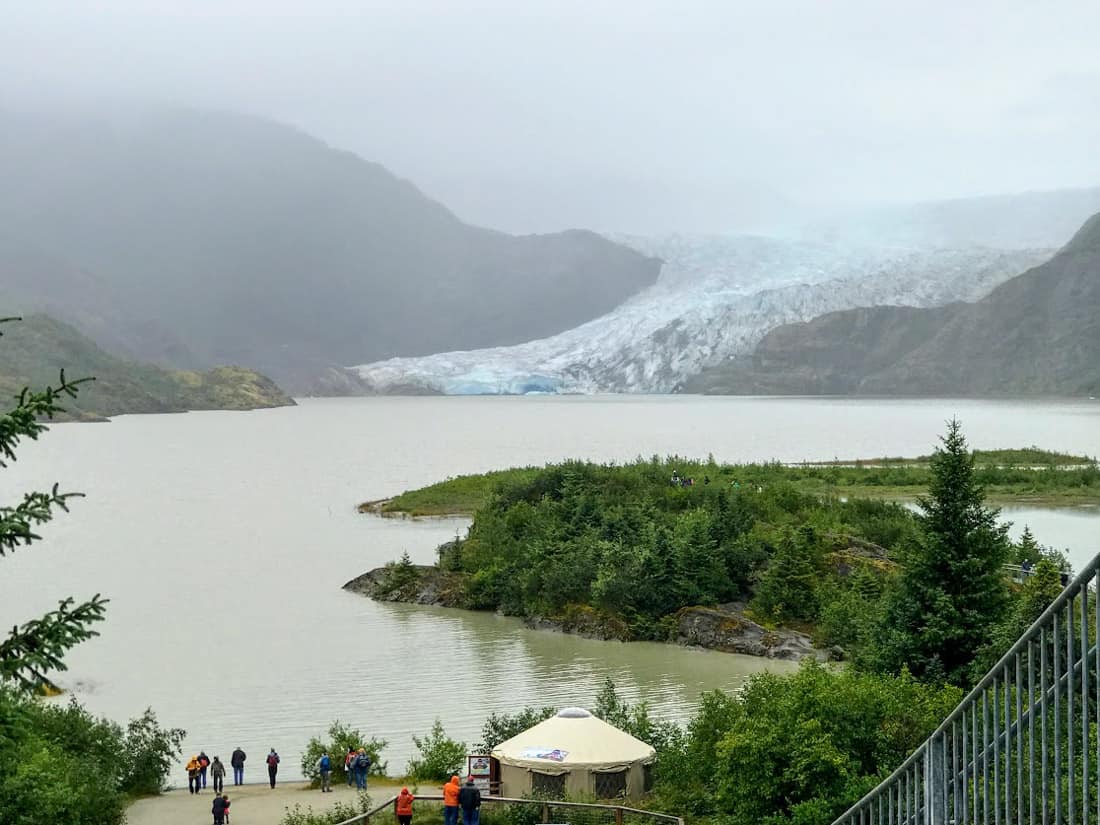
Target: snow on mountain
715	299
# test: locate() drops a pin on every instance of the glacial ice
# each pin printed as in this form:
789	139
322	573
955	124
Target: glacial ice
716	297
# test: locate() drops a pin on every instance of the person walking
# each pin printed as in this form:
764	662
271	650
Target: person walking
193	770
272	766
217	773
237	761
218	809
349	765
469	799
362	768
404	807
324	768
204	763
450	801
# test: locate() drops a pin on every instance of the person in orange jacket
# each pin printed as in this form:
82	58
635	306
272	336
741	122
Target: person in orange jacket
404	807
450	801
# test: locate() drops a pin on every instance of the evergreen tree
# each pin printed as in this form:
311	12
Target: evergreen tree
31	651
951	593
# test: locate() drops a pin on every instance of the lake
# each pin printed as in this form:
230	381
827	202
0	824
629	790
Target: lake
222	540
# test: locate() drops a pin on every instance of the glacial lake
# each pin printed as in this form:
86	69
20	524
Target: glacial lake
222	540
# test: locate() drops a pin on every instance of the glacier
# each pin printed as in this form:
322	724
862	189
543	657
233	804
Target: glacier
714	300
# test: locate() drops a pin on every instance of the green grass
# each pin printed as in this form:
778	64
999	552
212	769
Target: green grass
461	495
1028	475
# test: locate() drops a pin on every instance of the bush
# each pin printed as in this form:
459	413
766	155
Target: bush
61	764
340	738
340	812
440	757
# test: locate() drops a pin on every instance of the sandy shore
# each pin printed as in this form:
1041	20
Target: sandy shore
250	804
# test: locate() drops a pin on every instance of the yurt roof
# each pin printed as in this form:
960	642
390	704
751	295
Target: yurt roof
573	738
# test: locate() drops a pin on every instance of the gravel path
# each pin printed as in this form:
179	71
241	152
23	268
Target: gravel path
250	804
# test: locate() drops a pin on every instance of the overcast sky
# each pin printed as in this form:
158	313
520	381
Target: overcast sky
533	115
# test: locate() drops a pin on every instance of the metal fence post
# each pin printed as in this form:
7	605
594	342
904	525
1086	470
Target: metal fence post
935	783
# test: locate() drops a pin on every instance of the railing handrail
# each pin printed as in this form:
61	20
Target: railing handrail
509	800
1072	590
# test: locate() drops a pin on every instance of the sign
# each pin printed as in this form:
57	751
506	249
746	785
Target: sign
553	754
477	768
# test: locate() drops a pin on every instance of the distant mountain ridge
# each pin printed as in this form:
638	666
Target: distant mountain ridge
196	238
34	350
1036	334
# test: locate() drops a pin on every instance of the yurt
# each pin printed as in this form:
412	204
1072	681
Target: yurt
573	753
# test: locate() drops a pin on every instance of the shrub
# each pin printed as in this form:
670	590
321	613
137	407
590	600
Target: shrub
61	764
440	757
340	738
340	812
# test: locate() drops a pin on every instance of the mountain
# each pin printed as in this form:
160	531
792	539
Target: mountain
1036	334
34	350
198	238
715	299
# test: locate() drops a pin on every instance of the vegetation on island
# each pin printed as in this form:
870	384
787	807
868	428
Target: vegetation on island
920	600
1016	475
37	348
59	763
624	548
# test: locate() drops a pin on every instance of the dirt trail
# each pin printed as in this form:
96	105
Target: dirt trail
254	804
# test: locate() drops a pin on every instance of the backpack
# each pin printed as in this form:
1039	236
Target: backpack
325	763
363	762
203	762
273	759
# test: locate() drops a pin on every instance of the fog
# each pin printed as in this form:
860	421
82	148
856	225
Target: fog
625	116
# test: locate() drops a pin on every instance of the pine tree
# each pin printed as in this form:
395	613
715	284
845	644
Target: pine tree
31	651
951	593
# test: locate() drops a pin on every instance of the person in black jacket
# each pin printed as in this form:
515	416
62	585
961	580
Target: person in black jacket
237	761
469	799
218	809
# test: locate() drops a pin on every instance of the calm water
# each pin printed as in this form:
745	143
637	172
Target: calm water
222	540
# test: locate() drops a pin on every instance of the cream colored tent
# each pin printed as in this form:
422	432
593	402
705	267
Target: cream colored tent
574	753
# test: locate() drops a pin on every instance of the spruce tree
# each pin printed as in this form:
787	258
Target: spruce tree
951	593
31	651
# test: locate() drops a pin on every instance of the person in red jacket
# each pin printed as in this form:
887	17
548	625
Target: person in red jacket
404	807
450	801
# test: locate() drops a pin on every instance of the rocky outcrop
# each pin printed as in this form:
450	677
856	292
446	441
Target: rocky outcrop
733	632
412	584
725	629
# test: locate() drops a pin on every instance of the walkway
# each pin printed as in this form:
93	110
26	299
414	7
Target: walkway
251	804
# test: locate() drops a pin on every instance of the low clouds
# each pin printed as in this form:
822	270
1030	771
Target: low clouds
634	116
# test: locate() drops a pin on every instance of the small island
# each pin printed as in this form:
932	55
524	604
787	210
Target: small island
782	561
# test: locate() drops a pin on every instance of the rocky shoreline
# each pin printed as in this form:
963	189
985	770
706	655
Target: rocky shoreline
725	628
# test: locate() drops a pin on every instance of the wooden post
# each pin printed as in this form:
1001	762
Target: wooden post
618	816
545	812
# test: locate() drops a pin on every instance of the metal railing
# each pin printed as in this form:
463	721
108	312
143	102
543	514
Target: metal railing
544	810
1023	745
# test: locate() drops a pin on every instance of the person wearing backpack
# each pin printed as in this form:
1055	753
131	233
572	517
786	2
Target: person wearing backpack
272	766
204	763
237	761
362	767
324	768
